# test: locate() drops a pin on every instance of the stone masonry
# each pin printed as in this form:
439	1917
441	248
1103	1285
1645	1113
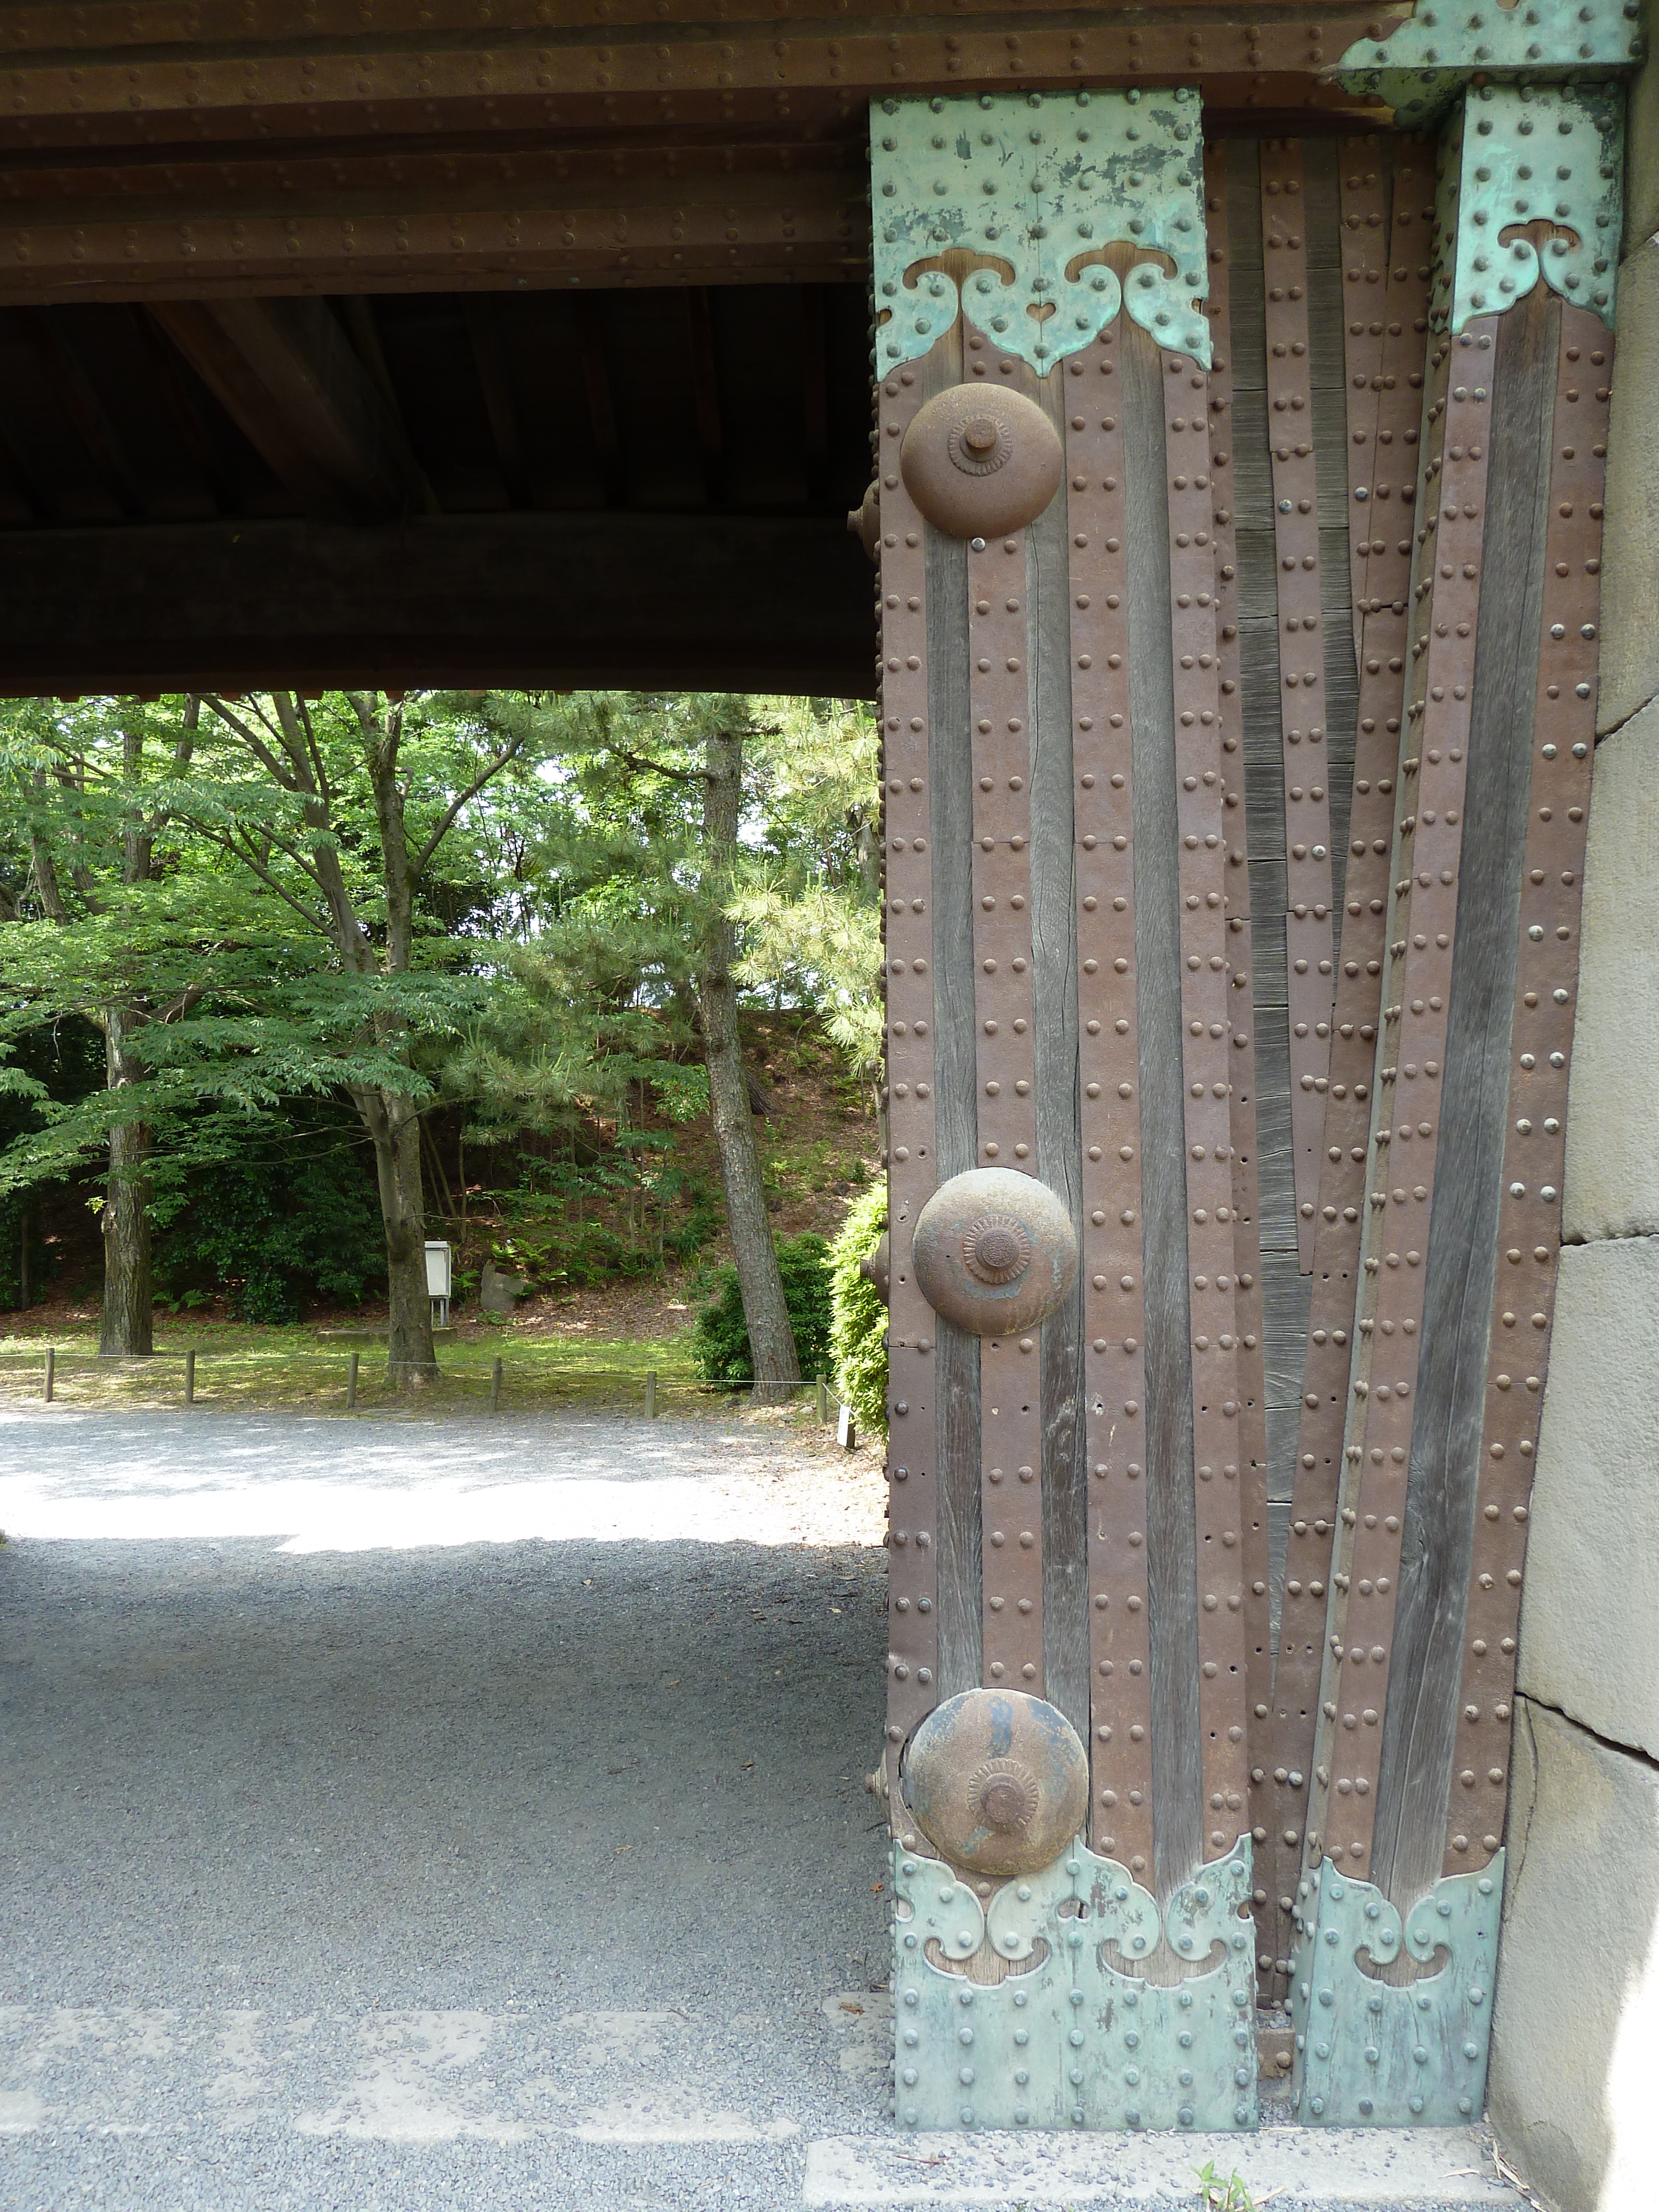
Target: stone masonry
1575	2031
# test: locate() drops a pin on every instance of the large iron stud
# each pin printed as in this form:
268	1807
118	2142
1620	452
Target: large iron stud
978	462
997	1781
995	1251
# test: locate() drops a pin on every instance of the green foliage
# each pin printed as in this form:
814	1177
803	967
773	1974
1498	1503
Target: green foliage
293	1215
203	890
622	1213
621	891
859	1326
164	888
720	1343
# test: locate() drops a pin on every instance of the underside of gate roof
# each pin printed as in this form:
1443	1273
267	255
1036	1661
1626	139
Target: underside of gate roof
472	341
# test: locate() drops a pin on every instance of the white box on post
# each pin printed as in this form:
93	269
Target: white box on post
437	1281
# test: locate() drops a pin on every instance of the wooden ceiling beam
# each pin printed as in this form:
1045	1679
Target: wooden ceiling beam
183	412
157	77
286	374
495	386
400	76
705	392
40	27
601	401
606	598
255	228
66	377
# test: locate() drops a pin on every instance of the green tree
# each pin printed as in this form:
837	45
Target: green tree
341	810
539	908
106	928
251	913
701	845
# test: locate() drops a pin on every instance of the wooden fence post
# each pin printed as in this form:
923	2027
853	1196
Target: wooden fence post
351	1381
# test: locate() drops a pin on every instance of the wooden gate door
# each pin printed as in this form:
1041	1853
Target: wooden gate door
1236	514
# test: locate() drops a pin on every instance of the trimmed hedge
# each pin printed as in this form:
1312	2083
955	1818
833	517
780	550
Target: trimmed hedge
720	1343
857	1333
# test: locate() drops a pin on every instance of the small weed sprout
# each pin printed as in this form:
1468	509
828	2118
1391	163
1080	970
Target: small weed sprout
1217	2194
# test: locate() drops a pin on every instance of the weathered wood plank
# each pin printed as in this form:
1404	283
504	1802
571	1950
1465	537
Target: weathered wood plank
1420	1722
1178	1832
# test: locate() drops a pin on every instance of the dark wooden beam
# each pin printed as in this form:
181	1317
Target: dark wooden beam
601	405
24	493
484	331
814	388
66	376
214	74
647	600
705	392
183	413
286	374
263	221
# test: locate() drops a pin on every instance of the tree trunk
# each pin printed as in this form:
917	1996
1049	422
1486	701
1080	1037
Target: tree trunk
395	1126
771	1338
126	1325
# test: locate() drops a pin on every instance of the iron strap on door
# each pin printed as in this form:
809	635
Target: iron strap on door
1546	969
1010	1418
913	1570
1115	1375
1249	1351
1309	929
1200	826
1411	1762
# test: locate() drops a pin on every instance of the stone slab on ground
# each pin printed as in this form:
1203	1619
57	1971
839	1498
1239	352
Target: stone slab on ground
1590	1629
1612	1184
1575	2060
1313	2169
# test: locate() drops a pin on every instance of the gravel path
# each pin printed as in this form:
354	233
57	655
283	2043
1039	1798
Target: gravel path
407	1814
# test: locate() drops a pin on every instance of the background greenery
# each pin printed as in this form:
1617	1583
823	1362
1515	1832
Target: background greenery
545	1020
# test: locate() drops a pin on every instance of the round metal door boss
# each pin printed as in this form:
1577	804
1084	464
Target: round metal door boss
977	462
997	1781
995	1252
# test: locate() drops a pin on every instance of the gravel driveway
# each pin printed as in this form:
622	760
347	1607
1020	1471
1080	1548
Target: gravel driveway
414	1805
422	1814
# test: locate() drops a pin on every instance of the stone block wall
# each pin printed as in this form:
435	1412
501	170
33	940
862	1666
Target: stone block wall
1575	2065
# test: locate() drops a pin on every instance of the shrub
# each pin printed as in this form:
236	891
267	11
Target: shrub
295	1218
720	1343
858	1334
